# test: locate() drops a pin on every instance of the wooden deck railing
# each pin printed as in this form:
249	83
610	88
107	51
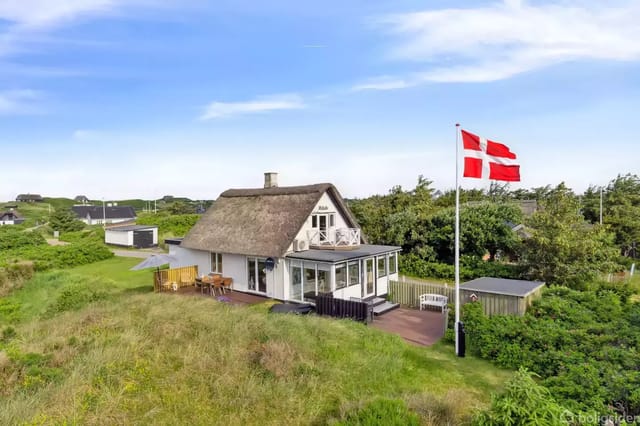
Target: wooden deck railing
182	277
341	308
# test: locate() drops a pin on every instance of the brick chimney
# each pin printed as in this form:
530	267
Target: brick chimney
270	180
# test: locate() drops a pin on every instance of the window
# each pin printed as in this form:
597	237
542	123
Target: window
257	274
341	275
332	219
393	265
382	266
216	263
296	283
314	221
324	280
354	273
309	282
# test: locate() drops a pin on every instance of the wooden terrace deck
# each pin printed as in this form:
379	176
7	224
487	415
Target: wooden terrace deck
232	297
422	328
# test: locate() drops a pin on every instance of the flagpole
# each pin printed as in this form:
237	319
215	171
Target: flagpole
457	242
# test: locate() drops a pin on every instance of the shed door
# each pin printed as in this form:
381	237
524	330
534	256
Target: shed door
143	239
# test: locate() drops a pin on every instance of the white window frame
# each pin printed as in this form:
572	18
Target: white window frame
213	265
395	263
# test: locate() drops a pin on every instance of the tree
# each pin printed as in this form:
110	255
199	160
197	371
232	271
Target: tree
622	212
397	218
65	220
180	207
484	228
563	247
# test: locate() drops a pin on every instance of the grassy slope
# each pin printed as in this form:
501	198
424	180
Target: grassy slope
33	212
154	358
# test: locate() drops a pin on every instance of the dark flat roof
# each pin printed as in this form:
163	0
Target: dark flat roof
174	241
333	256
131	228
520	288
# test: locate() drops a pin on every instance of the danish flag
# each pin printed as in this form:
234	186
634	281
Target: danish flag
485	159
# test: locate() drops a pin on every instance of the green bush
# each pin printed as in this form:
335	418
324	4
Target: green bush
388	412
583	344
177	225
94	234
412	264
13	238
47	257
523	403
78	295
14	275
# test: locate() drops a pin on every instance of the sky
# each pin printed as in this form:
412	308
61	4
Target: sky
118	99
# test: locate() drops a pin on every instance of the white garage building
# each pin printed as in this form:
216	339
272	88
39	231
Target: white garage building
139	236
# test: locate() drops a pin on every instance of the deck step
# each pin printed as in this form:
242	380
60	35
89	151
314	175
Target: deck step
376	301
385	307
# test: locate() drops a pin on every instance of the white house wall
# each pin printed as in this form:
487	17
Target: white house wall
189	257
235	266
278	279
118	238
91	221
323	206
348	292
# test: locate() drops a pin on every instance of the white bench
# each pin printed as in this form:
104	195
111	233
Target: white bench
433	300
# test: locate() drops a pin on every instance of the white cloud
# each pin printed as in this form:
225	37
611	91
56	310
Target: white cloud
85	134
382	83
18	102
261	104
38	13
505	39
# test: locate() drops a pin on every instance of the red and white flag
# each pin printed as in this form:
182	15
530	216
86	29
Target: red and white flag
485	159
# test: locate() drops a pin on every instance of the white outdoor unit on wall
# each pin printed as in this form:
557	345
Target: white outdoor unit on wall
300	245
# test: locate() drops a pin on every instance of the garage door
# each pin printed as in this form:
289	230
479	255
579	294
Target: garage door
143	239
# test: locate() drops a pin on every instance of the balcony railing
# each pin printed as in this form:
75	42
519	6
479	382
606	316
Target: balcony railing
345	237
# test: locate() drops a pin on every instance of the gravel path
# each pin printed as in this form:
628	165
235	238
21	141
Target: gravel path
132	253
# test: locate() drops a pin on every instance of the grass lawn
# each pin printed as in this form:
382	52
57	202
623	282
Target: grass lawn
127	355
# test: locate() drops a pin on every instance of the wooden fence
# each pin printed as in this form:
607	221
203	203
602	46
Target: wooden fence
182	277
407	293
341	308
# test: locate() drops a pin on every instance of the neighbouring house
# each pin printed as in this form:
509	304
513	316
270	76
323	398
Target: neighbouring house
81	199
29	198
99	215
500	296
10	218
139	236
288	243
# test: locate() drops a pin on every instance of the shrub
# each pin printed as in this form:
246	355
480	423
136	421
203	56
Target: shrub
412	264
583	344
78	295
47	257
177	225
390	412
14	275
523	403
94	234
13	238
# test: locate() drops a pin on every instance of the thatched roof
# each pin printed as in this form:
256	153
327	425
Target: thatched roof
260	222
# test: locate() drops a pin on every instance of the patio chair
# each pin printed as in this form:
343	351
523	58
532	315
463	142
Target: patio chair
216	284
227	284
